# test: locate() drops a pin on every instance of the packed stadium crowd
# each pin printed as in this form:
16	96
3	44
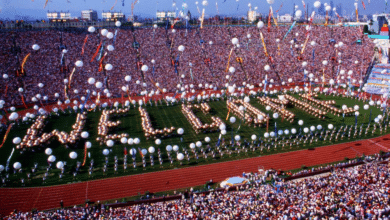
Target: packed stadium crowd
203	61
360	192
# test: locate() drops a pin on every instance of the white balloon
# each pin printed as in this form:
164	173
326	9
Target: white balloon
99	85
181	48
48	151
110	48
330	126
127	78
136	141
110	143
108	67
118	23
293	131
180	131
180	156
198	144
17	165
144	68
298	14
88	145
35	47
253	137
260	24
169	148
51	158
60	165
317	4
106	152
357	113
151	149
110	35
16	140
232	119
300	122
157	141
237	137
207	139
91	29
84	134
266	135
175	148
124	140
79	63
73	155
192	146
235	41
91	81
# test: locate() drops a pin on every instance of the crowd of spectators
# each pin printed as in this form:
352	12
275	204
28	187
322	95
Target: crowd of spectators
203	61
360	192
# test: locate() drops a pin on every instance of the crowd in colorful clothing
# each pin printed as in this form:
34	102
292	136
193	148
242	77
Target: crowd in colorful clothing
360	192
203	62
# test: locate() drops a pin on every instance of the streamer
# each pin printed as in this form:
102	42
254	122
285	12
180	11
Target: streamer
6	134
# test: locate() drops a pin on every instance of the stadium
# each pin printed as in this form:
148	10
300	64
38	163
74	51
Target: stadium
196	118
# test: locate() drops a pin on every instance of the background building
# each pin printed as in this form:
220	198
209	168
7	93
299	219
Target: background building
378	20
89	15
252	16
58	16
285	18
113	16
165	15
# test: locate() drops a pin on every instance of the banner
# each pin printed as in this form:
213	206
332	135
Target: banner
6	134
97	51
85	41
24	62
289	30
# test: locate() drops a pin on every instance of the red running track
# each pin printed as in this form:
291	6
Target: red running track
41	198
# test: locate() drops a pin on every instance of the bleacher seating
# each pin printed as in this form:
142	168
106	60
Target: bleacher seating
379	79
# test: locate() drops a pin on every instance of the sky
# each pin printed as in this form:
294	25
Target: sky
34	9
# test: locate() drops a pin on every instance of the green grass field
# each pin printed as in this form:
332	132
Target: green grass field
161	116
